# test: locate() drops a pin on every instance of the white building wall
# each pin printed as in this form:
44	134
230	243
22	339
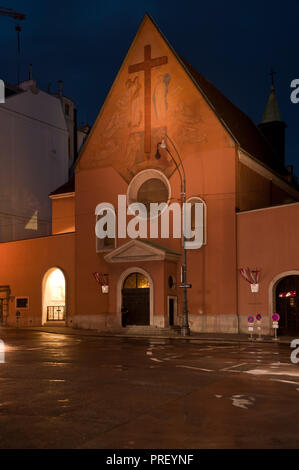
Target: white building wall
33	162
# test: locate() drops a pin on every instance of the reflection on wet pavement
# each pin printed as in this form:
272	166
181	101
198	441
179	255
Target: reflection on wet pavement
59	391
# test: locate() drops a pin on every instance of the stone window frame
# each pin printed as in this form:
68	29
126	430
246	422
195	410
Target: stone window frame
100	242
205	231
142	177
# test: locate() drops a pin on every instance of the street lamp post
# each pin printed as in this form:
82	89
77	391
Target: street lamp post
185	330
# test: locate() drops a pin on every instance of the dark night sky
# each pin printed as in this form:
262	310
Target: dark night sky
233	43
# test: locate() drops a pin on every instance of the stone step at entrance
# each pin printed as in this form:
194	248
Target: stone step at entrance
54	323
151	330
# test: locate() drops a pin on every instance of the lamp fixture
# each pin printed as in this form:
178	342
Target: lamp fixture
158	155
163	144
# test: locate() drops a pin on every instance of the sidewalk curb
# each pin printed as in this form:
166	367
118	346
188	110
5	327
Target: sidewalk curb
197	337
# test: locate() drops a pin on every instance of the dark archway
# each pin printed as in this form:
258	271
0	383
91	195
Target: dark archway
287	304
136	299
4	304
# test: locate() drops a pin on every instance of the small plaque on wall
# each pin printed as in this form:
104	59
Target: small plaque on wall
22	302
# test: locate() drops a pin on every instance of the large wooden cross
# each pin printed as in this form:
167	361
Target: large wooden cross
146	66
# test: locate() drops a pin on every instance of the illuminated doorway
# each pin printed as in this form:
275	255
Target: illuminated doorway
287	304
53	296
136	299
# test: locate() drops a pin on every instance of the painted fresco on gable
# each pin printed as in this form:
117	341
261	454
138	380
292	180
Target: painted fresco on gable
150	99
160	96
188	124
134	101
136	159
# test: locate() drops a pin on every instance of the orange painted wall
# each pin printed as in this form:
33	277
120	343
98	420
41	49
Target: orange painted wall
92	187
267	240
23	266
211	269
256	191
63	214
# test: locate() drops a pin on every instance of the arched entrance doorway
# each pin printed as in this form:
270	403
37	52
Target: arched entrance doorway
136	299
287	304
53	290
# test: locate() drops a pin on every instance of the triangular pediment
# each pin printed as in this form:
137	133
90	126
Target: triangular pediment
137	250
153	94
157	92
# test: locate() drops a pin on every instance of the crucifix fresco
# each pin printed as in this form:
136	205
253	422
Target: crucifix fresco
146	66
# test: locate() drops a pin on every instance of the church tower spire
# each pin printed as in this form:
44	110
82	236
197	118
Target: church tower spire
272	125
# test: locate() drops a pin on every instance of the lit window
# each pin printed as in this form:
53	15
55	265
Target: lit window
57	285
136	281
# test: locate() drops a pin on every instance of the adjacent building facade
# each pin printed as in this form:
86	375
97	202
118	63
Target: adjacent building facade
38	136
231	167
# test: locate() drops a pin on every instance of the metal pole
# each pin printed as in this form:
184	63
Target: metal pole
275	326
185	330
185	326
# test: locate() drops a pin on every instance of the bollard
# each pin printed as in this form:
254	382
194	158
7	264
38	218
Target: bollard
259	326
250	320
275	326
259	330
275	320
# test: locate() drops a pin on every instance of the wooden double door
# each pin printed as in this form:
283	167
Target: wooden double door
137	303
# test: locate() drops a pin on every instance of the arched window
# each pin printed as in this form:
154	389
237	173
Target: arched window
149	186
193	200
107	243
136	281
53	296
152	190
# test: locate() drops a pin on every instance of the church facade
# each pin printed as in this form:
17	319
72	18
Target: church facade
232	168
